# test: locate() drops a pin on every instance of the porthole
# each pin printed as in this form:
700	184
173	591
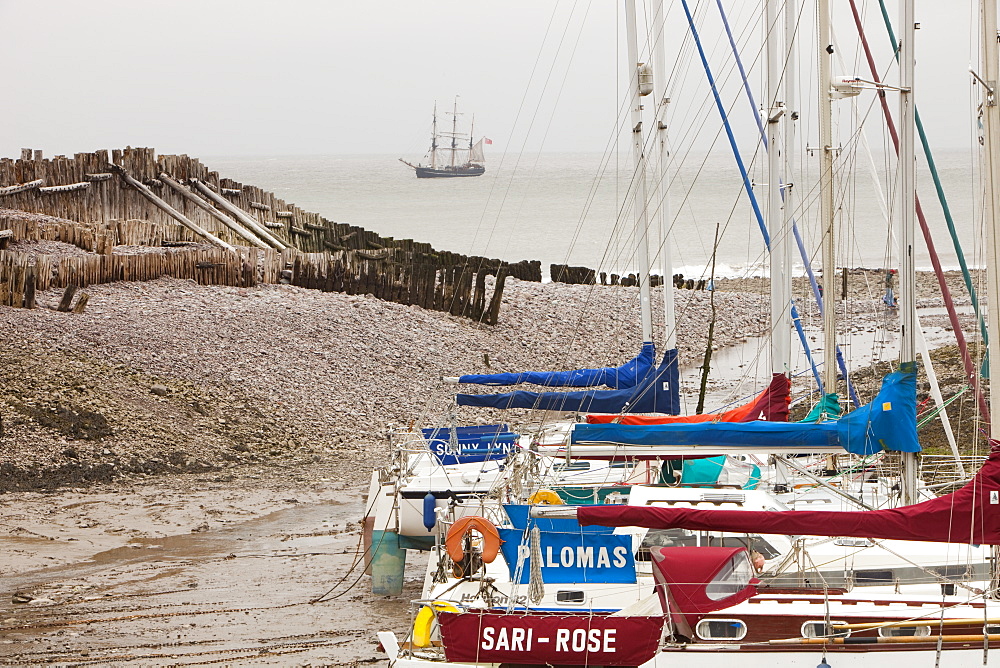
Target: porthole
721	629
904	631
820	629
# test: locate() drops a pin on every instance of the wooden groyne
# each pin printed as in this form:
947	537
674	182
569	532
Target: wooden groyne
133	197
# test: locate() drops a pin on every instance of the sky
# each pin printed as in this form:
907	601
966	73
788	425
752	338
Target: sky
311	77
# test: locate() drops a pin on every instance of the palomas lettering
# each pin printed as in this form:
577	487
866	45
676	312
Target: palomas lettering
585	557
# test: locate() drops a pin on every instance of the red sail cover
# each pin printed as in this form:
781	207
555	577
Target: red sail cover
968	515
770	405
549	639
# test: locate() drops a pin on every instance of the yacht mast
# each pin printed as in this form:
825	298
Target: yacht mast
663	156
826	150
908	215
638	70
781	333
991	172
791	120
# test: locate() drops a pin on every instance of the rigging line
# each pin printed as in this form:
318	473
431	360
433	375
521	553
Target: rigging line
517	117
970	369
938	187
756	208
552	115
862	142
797	236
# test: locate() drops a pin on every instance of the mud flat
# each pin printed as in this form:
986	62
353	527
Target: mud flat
182	467
190	571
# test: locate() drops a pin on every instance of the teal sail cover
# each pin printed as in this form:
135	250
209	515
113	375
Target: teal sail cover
889	422
626	375
827	407
657	392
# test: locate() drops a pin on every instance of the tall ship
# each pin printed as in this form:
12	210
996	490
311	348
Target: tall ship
453	153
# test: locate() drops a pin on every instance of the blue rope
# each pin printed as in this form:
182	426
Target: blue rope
795	228
746	179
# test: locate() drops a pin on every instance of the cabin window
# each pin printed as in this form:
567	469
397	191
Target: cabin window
733	578
870	578
992	629
904	631
571	597
721	629
820	629
669	538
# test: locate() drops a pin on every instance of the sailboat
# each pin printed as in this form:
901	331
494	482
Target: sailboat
708	608
449	156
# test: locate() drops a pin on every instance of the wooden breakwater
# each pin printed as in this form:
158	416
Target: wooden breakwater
133	197
563	273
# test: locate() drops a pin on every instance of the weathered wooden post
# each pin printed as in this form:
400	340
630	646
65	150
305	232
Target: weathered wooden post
494	313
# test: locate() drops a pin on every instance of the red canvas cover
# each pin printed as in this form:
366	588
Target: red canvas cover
970	515
687	571
553	639
770	405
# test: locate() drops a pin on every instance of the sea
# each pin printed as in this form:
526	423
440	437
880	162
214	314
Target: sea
571	208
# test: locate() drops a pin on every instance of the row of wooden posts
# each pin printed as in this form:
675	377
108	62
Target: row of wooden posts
460	290
133	197
562	273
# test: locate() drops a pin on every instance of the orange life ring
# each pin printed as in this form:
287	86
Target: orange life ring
457	532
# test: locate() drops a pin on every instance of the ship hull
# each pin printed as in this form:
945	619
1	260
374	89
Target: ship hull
444	173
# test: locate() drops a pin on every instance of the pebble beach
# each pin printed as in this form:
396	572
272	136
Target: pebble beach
172	433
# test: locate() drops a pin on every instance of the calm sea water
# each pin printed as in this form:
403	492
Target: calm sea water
567	208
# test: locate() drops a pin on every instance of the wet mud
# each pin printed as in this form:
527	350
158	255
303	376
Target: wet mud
231	591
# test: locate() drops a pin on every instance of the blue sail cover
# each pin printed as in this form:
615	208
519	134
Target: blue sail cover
657	392
626	375
887	423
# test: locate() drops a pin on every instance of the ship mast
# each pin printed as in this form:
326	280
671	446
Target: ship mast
434	137
454	132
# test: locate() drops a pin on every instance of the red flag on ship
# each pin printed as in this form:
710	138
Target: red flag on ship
487	140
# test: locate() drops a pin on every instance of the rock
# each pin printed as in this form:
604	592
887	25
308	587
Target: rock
40	602
159	390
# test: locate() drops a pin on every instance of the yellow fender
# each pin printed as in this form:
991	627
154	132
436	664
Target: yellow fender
545	497
424	622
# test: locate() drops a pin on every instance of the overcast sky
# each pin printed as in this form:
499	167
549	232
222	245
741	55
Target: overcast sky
254	77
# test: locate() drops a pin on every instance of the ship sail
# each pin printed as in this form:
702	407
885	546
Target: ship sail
476	154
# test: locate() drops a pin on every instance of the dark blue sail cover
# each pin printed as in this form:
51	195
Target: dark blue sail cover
889	422
657	392
626	375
